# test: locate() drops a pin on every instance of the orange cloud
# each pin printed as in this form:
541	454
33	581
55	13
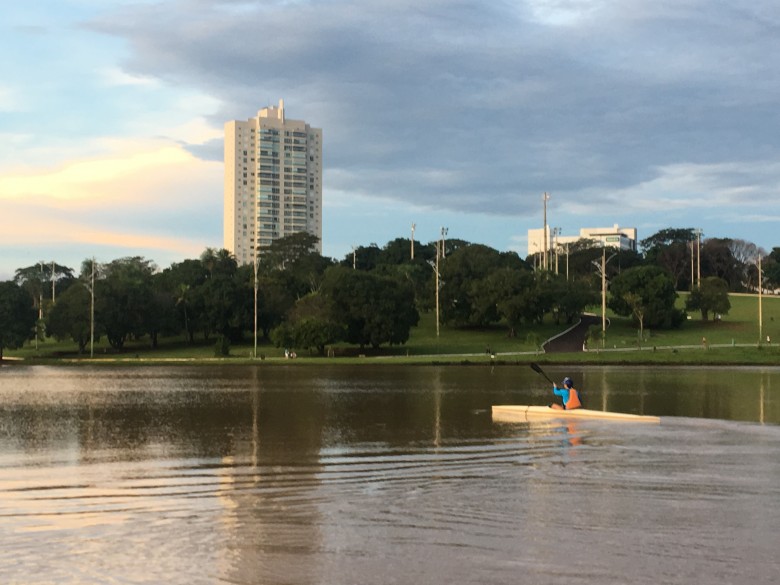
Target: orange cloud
89	179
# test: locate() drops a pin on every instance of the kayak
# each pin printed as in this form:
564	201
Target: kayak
521	413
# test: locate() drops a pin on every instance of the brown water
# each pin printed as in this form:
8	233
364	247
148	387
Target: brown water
347	475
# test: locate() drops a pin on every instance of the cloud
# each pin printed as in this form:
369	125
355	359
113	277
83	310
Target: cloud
463	105
634	112
115	76
90	179
138	198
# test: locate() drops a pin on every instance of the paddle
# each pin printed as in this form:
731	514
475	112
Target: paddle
536	368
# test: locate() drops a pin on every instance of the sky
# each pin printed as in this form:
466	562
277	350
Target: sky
441	113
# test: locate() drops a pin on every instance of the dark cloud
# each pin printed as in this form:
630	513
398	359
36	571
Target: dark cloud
468	105
213	150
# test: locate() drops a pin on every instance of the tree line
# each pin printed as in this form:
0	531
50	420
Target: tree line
373	296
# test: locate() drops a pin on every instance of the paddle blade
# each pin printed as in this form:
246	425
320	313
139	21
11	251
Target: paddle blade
535	367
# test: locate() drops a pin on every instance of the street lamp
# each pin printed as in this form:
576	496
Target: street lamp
256	283
545	198
555	233
760	302
698	255
435	267
603	270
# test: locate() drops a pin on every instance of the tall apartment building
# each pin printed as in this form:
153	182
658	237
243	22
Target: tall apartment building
273	181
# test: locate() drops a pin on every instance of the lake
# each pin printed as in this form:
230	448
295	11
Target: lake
385	474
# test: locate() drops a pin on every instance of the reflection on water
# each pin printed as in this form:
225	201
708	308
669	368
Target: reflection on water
384	475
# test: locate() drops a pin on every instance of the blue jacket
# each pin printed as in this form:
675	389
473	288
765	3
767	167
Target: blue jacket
562	392
565	394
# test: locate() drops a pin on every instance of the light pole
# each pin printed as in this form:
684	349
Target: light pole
435	267
92	312
545	198
698	256
760	302
555	233
257	260
603	270
444	232
413	226
354	258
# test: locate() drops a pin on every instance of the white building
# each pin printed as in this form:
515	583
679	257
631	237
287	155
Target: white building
615	237
273	181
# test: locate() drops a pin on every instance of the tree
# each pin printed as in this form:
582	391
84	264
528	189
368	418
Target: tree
39	279
711	295
219	299
181	281
666	237
17	316
718	260
375	309
463	273
124	299
287	250
771	268
70	318
529	302
650	288
363	257
670	249
571	297
311	324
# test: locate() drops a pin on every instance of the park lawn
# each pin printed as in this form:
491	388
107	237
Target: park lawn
740	326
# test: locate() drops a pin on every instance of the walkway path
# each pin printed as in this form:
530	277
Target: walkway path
572	339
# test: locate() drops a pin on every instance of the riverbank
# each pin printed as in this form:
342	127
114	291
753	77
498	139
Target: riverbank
732	340
738	355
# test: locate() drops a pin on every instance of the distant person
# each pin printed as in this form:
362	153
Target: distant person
570	396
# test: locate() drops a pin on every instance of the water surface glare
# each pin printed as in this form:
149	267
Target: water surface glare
355	475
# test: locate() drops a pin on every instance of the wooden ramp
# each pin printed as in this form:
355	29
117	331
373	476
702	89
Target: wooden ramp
522	413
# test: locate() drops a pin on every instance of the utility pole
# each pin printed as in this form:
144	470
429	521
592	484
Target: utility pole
555	233
760	302
413	226
92	313
52	282
354	258
698	256
444	232
545	198
435	266
437	289
257	259
603	269
603	295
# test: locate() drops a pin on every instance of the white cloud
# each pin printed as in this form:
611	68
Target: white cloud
114	76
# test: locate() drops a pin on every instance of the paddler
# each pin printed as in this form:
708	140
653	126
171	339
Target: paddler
570	396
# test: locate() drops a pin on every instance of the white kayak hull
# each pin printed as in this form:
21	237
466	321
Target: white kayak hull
521	413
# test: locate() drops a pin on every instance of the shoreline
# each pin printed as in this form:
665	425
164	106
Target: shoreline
727	355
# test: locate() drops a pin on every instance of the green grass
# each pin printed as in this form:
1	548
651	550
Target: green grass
725	340
740	326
